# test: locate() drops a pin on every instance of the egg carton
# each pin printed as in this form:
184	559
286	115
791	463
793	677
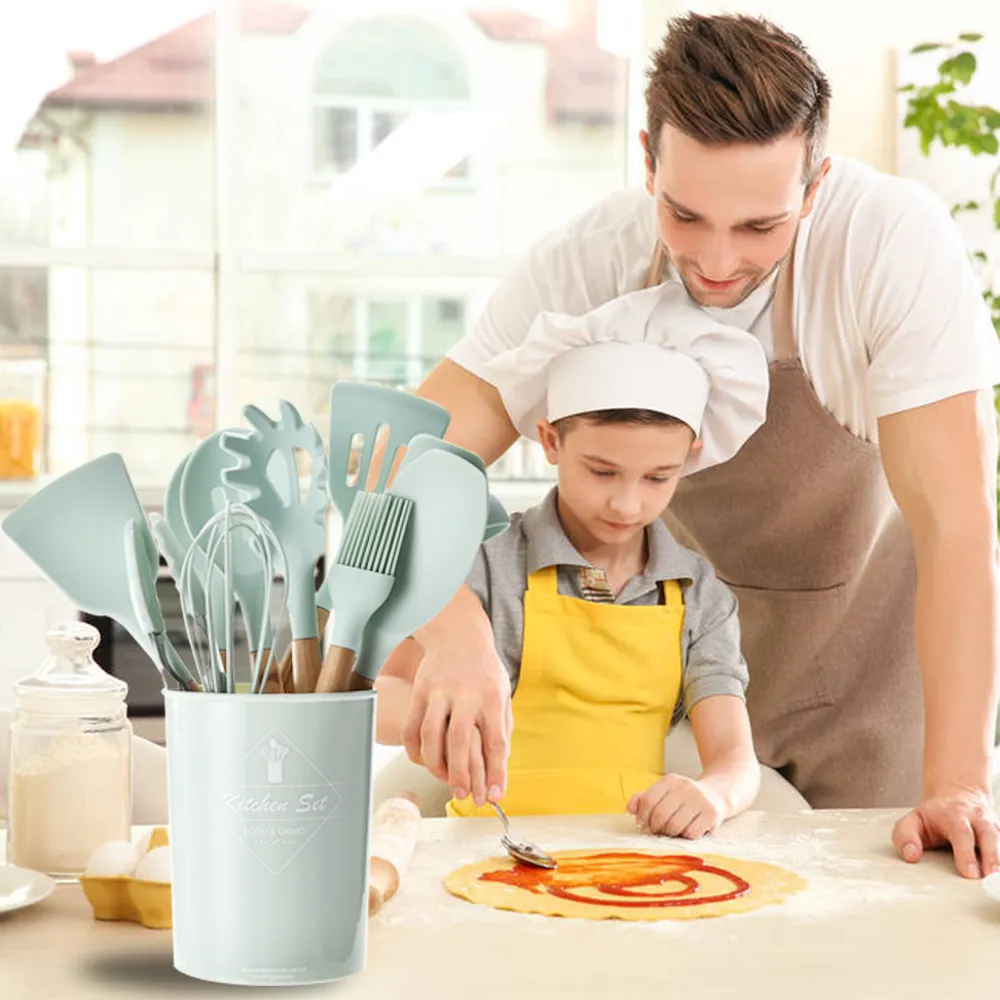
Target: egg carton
124	897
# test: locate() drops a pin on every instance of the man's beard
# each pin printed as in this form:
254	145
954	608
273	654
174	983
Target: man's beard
751	287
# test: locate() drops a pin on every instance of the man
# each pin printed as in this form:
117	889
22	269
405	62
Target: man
857	526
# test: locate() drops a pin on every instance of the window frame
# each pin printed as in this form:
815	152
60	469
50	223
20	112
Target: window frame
227	262
365	108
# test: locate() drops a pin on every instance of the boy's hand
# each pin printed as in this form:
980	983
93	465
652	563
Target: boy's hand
678	807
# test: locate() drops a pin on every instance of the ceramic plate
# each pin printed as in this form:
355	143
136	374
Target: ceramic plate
992	885
20	887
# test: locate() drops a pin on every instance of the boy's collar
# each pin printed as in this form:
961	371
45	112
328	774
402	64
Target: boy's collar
549	546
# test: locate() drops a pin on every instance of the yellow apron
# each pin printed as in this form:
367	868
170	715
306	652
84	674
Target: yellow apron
593	704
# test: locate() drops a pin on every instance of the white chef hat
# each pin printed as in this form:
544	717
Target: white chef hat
652	350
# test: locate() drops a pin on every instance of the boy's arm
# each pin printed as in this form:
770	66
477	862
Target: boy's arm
729	766
715	681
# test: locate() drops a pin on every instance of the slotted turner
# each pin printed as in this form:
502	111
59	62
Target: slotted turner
363	408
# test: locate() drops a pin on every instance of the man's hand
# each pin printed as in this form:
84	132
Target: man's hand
965	819
459	721
941	461
678	807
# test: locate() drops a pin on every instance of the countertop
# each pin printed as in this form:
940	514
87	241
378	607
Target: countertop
868	926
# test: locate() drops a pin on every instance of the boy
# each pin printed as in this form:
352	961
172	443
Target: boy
608	628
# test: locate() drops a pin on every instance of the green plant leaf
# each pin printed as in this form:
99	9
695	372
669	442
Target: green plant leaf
963	66
906	88
925	47
967	206
996	213
980	255
991	118
989	144
970	36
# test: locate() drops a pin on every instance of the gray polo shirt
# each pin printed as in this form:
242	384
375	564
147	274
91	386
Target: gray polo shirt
712	661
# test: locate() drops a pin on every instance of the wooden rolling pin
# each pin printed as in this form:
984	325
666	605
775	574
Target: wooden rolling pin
394	834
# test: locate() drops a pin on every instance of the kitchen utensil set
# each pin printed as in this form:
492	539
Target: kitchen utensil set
414	507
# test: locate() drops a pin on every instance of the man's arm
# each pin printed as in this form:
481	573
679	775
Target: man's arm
458	720
941	461
479	421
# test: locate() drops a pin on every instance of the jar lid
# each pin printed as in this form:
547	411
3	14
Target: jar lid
70	670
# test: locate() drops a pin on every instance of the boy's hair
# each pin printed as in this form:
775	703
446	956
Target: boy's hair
626	416
732	78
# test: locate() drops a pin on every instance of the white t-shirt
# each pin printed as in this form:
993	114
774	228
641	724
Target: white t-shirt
888	310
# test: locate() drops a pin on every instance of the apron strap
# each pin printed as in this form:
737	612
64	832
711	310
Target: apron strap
544	581
657	270
673	595
783	311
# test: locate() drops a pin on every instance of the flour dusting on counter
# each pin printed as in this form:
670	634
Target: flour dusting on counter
838	883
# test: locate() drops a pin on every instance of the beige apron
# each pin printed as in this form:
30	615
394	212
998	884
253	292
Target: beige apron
802	526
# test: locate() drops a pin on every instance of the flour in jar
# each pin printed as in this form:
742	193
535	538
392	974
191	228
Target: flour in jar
66	800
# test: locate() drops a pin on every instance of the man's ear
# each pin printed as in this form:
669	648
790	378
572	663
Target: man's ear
649	159
549	438
807	202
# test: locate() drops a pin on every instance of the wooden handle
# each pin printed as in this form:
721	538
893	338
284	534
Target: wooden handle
322	617
306	665
383	881
394	834
338	665
358	682
283	671
272	683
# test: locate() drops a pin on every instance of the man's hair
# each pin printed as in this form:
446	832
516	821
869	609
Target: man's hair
627	416
732	78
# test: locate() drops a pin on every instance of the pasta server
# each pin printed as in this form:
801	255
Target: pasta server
298	523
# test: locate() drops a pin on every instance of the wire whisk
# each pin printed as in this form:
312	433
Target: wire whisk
216	540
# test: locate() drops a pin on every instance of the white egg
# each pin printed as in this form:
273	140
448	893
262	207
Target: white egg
115	857
155	866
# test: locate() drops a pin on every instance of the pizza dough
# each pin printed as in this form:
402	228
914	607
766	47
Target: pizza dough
626	885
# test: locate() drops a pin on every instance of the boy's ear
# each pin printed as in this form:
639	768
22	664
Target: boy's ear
695	447
549	438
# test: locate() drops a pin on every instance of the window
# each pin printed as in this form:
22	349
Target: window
346	135
372	77
338	145
343	212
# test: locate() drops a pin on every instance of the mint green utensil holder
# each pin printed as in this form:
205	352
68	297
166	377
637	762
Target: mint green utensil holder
270	803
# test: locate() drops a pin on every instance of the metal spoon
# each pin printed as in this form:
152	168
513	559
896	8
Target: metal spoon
522	850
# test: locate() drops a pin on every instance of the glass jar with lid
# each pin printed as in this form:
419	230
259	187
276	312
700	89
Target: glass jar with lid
69	781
